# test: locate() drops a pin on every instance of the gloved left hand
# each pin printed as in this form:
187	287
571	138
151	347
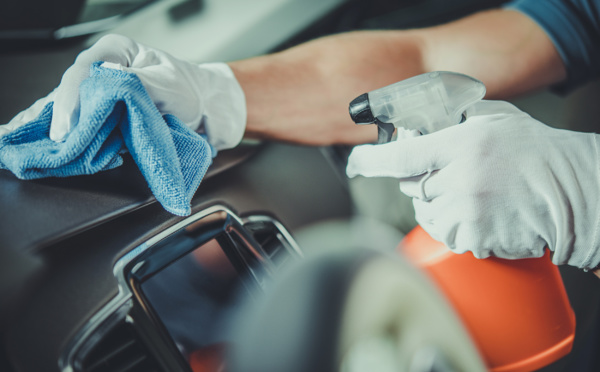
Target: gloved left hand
205	96
501	184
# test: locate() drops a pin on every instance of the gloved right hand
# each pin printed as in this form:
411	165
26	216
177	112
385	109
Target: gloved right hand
500	184
206	97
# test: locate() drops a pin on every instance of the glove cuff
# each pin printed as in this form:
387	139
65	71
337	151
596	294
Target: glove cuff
592	260
224	102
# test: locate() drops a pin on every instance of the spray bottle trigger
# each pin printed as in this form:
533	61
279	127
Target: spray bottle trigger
385	131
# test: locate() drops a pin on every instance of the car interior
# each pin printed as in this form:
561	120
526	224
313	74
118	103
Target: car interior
96	276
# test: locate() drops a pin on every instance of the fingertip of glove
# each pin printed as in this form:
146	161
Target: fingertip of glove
57	132
57	137
351	172
356	161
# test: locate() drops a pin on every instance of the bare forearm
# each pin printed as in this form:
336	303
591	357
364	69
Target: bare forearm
505	49
301	95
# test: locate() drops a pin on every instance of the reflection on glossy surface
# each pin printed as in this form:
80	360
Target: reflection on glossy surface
194	298
208	359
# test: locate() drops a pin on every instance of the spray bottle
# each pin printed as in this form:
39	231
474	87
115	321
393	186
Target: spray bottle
516	311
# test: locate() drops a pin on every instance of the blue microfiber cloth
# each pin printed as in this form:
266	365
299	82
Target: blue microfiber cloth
116	115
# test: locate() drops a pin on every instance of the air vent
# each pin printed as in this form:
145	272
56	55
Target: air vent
273	242
119	350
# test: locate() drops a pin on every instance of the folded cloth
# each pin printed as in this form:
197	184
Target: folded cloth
116	115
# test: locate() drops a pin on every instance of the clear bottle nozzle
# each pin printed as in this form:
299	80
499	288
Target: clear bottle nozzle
427	103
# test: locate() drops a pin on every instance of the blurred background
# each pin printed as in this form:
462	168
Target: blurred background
40	39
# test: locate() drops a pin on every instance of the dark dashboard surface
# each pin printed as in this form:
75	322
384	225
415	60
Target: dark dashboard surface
39	212
69	275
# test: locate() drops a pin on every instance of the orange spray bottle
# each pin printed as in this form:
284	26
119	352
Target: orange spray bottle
516	311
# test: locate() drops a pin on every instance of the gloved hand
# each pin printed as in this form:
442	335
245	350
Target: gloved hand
500	184
206	97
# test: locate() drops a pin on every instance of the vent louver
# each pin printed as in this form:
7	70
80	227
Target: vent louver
119	350
274	244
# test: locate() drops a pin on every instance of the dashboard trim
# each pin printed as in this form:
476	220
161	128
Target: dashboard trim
133	261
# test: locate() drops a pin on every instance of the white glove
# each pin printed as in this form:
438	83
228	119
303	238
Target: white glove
501	184
27	115
205	97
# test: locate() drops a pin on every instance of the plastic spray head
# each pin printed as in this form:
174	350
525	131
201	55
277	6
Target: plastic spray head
427	103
